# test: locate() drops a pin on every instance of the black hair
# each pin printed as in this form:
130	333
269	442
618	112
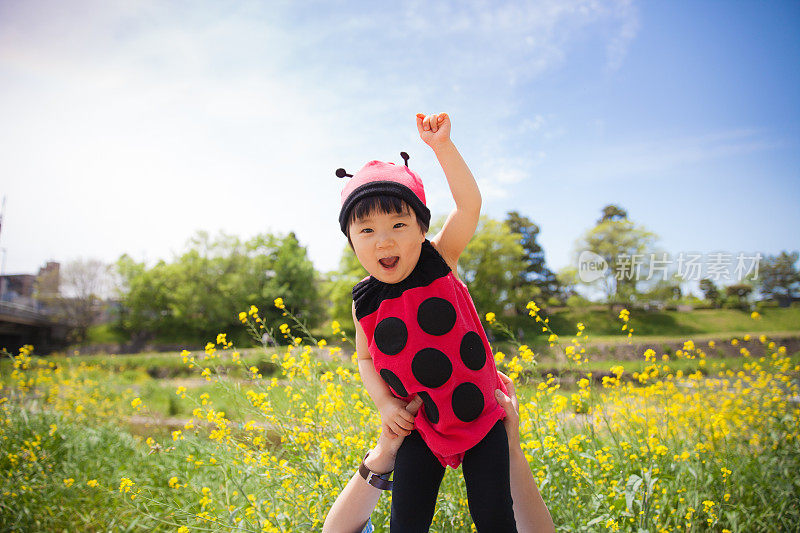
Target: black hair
380	203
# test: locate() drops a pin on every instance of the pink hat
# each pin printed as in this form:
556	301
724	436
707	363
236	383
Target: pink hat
379	178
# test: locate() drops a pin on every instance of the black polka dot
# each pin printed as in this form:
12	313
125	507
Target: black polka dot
391	335
436	316
431	367
394	382
467	402
431	411
473	353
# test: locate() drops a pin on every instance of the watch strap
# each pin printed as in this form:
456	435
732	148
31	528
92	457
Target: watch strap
379	481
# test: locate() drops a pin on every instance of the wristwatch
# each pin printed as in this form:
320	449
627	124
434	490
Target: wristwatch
379	481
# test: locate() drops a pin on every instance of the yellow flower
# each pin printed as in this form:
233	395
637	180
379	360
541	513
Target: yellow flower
183	529
243	317
125	485
336	327
755	316
253	310
279	303
92	482
53	429
173	482
221	338
181	391
490	317
69	481
136	402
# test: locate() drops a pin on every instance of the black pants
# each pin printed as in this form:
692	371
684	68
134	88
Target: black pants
418	474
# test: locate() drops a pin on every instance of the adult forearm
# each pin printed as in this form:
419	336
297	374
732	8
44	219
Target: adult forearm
530	511
353	507
355	503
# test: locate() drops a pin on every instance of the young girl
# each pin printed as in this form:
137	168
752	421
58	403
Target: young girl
417	332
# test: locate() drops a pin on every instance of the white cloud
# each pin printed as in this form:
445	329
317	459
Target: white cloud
129	125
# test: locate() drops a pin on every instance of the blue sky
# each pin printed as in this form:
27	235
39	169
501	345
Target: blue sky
126	126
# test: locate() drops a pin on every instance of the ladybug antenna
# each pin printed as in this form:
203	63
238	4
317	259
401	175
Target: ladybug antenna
405	157
341	173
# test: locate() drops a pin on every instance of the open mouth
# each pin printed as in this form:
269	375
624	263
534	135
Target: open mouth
389	262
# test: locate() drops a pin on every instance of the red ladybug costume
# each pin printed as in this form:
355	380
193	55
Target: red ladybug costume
425	337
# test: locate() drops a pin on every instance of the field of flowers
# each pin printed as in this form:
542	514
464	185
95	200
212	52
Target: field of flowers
691	443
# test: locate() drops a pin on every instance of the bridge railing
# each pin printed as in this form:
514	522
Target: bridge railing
24	311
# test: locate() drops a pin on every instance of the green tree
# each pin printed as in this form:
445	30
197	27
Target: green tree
613	212
490	266
779	277
665	289
536	280
739	291
202	291
568	280
626	248
711	292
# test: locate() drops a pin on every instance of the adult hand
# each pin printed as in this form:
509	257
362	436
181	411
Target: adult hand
511	406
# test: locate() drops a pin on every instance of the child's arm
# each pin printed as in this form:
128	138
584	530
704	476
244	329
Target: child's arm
461	223
393	412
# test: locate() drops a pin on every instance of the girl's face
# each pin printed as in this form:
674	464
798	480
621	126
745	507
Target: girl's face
387	244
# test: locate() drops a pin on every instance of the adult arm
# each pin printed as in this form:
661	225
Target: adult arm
530	511
356	502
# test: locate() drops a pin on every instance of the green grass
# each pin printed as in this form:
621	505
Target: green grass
96	452
104	334
604	324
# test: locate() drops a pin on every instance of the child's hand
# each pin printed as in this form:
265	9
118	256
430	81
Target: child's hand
395	418
434	129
